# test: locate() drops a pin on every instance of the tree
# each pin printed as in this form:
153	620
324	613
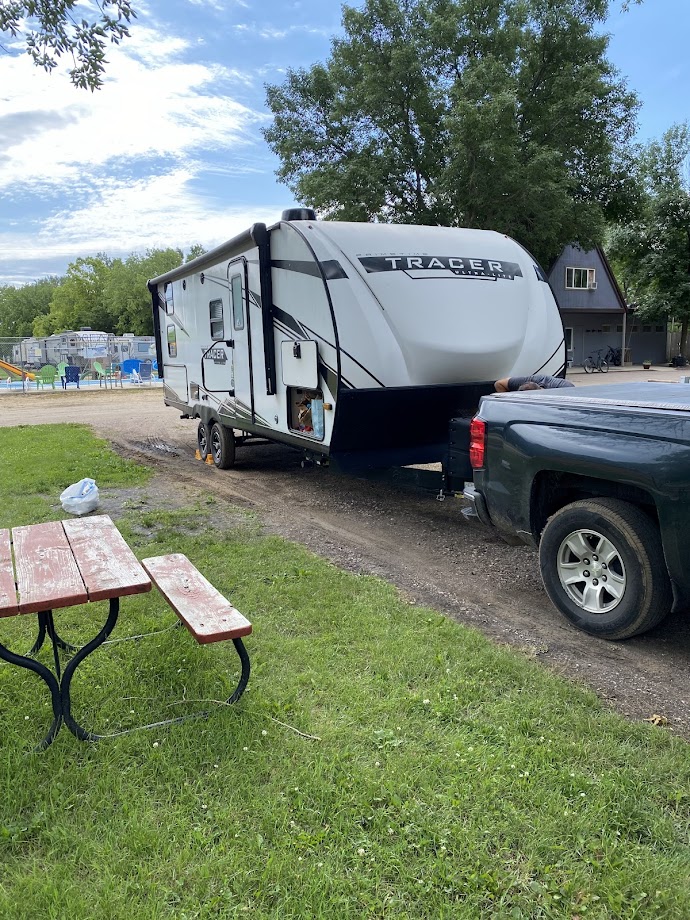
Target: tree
495	114
652	253
79	300
126	295
19	306
53	30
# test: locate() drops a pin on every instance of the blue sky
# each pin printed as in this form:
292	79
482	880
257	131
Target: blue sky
169	152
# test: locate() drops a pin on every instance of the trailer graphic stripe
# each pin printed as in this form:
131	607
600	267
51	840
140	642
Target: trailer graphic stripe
462	266
332	269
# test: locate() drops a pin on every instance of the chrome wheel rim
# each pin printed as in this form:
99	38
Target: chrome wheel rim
203	441
591	571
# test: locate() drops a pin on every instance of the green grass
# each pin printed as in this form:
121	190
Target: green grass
445	777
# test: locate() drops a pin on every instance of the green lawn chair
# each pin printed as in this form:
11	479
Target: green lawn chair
46	375
103	375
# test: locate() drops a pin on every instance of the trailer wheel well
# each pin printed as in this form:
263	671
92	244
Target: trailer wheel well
553	490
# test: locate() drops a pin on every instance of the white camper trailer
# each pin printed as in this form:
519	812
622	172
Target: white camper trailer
353	341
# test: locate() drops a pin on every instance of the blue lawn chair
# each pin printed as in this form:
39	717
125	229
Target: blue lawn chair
71	376
145	372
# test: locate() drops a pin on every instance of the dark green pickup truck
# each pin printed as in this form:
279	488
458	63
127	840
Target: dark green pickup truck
598	478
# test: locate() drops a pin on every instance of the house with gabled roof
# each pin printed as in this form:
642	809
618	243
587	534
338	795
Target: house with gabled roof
595	314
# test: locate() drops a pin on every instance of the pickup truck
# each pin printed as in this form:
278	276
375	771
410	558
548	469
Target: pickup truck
598	479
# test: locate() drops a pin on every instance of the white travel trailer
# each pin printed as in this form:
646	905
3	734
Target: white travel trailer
353	341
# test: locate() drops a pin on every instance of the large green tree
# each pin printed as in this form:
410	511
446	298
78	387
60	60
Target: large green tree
52	28
651	254
500	114
20	306
126	295
79	300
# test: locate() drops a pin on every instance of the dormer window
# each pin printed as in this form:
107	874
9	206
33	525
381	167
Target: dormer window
581	279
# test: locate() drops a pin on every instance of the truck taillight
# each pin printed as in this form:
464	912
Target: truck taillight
477	442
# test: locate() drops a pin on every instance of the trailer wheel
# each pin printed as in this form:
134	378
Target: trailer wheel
202	440
222	446
603	567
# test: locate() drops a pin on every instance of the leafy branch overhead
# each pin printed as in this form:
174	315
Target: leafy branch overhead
501	115
49	29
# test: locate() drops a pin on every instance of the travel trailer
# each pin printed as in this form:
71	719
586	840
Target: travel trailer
350	341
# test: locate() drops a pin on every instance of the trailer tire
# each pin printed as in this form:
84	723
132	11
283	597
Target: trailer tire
603	566
202	440
222	446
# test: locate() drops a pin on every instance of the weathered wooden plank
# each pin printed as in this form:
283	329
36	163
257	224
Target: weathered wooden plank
8	592
47	575
107	565
205	612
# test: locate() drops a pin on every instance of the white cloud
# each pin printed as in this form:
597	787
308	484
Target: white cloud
149	106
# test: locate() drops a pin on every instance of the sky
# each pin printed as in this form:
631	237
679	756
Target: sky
170	153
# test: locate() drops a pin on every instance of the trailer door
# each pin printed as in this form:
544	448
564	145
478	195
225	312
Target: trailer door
217	354
241	334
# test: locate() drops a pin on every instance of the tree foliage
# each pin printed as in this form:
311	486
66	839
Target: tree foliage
500	114
19	307
652	253
52	28
110	295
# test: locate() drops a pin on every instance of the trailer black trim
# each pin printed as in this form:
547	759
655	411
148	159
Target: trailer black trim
262	239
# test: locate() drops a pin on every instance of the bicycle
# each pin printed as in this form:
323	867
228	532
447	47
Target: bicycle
613	356
596	364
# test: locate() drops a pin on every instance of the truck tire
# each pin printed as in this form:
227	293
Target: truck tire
603	566
222	446
202	440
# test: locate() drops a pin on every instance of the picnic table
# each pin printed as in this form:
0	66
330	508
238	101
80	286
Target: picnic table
63	564
77	561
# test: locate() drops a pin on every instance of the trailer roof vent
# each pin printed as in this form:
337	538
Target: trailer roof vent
299	214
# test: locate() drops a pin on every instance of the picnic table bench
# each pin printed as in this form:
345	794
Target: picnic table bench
65	563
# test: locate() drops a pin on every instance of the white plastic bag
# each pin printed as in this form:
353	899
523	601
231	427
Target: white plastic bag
81	497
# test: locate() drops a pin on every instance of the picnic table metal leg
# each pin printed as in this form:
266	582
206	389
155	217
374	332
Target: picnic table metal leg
23	662
246	667
78	730
40	638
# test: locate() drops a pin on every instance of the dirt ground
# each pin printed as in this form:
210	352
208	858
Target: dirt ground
429	549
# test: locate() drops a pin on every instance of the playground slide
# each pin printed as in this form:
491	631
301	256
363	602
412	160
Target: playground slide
16	371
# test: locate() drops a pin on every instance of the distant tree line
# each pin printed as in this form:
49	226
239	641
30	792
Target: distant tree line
106	294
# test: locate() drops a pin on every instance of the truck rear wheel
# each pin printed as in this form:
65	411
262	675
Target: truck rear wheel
603	567
222	443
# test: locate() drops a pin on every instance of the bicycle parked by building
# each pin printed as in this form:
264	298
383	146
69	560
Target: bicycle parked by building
596	363
614	356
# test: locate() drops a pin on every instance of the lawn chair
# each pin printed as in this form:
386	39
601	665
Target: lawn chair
146	372
71	376
46	375
102	374
130	368
61	371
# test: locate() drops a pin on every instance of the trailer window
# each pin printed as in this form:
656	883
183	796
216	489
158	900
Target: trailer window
215	312
169	306
237	305
171	335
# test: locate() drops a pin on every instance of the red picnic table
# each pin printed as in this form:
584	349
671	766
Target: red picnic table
62	564
65	563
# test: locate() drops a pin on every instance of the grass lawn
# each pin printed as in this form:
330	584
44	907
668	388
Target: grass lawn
384	762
